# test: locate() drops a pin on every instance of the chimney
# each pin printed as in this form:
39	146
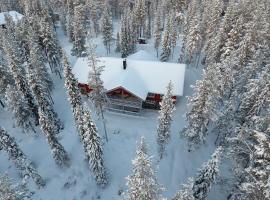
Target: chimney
124	64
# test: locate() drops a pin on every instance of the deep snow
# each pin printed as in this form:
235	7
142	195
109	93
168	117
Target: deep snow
124	131
139	77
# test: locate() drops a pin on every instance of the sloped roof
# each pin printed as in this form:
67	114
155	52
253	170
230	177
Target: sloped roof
143	55
15	16
139	78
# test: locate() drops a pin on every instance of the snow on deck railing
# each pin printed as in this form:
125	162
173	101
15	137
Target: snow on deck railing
123	102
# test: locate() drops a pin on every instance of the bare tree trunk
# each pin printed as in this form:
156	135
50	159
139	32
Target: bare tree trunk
103	121
198	60
2	104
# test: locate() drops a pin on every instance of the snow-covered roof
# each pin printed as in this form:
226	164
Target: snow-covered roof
15	16
139	78
143	55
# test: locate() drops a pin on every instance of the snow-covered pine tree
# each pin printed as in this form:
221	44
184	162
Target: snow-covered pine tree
157	30
193	39
164	120
202	107
50	46
63	15
37	62
142	184
17	70
166	45
118	47
98	95
250	152
19	108
255	97
173	32
140	16
186	192
50	123
124	36
6	79
50	131
206	176
256	185
71	85
198	188
93	148
94	15
79	30
86	128
211	17
132	34
11	191
107	27
70	20
8	144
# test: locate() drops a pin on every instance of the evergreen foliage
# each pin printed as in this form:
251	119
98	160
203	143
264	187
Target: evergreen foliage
164	120
8	144
107	27
142	184
79	30
93	148
11	191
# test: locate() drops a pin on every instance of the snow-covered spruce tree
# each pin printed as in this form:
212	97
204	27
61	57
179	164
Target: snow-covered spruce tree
19	108
118	47
11	191
6	79
50	46
50	131
157	30
98	95
164	120
17	70
211	18
79	30
166	45
248	148
142	184
202	107
140	16
186	192
206	176
37	62
256	96
93	148
50	124
40	81
107	27
8	144
216	43
70	20
94	15
193	39
124	36
73	91
132	35
250	153
173	32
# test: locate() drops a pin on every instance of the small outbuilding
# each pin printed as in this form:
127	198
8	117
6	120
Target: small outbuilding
14	15
133	84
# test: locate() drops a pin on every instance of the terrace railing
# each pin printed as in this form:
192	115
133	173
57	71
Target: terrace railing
125	103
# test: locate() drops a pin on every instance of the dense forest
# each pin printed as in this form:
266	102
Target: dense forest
226	42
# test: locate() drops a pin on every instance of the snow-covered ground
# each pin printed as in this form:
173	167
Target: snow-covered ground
76	181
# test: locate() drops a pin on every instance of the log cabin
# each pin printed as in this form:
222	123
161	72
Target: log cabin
132	85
